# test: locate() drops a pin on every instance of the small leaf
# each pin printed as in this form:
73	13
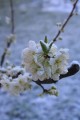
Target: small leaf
46	40
53	87
44	47
53	91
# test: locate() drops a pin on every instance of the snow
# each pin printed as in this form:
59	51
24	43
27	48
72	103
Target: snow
75	62
29	106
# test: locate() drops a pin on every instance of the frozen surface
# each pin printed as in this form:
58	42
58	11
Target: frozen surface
32	23
59	5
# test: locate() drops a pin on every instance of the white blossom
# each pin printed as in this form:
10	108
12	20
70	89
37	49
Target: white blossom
40	63
59	64
53	51
41	67
34	60
13	83
17	85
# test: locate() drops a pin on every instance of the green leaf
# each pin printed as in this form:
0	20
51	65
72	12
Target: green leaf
53	91
44	47
46	40
53	87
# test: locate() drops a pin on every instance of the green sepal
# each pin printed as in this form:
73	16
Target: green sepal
44	47
45	39
52	91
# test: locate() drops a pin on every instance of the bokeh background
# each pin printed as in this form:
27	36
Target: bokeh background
33	20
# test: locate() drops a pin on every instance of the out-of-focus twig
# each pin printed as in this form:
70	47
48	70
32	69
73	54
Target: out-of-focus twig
9	42
12	16
65	23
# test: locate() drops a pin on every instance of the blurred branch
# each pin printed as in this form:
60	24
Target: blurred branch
65	23
8	44
72	70
12	16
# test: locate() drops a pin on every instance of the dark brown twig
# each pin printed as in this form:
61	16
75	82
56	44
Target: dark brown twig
65	23
12	16
72	70
8	44
38	83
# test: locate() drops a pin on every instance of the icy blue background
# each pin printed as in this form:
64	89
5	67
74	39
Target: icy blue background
32	23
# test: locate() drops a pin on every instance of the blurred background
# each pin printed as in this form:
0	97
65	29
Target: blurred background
33	20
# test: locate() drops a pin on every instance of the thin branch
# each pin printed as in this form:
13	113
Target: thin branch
12	16
8	44
65	23
72	70
38	83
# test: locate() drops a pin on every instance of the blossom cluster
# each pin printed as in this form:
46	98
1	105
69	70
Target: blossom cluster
44	63
15	80
41	61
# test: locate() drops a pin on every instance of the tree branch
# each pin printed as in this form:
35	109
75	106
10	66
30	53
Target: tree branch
8	44
72	70
65	23
12	16
38	83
